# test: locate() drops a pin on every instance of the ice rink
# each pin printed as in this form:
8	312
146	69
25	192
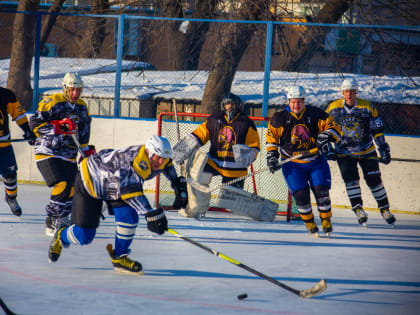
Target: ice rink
374	270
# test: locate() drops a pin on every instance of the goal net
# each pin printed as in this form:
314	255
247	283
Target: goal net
264	184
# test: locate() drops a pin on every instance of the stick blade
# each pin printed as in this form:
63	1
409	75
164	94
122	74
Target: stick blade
317	289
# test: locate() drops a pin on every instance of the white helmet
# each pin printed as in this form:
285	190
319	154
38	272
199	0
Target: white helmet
159	146
72	80
349	84
296	92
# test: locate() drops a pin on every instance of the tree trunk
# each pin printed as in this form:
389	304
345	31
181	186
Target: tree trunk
50	21
19	78
230	46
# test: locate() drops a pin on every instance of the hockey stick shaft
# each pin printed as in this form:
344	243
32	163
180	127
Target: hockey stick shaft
376	158
6	310
321	286
178	134
76	141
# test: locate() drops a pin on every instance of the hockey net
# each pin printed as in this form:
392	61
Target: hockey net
264	184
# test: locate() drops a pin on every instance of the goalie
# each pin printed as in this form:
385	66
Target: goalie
234	145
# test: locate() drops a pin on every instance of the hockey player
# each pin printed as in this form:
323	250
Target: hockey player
9	105
117	176
56	119
360	124
229	131
298	129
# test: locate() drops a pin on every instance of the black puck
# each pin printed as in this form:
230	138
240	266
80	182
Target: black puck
242	296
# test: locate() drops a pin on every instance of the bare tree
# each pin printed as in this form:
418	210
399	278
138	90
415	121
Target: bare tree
50	21
19	79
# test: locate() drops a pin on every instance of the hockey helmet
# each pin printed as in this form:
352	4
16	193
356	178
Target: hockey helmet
231	98
296	91
159	146
349	84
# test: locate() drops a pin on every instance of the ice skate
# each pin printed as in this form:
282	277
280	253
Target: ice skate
14	206
327	227
56	245
312	228
123	263
361	215
388	216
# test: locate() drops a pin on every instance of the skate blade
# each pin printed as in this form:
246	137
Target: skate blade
315	235
49	232
127	272
364	224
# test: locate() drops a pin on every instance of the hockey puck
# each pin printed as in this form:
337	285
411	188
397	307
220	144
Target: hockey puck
242	296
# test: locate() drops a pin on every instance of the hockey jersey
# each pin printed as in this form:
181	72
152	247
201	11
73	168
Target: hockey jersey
360	124
120	174
222	134
9	105
48	144
296	134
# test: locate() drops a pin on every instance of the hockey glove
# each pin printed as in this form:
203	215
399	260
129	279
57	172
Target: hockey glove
181	195
156	221
385	152
325	147
273	161
29	135
64	126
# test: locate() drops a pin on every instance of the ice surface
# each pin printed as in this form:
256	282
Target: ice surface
372	270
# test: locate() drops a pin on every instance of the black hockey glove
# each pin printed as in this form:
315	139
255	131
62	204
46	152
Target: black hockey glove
181	195
273	161
385	153
29	135
156	221
325	147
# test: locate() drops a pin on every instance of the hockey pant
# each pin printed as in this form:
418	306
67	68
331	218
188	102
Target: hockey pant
60	175
372	176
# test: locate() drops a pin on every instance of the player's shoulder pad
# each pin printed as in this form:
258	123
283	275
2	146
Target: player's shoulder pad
49	101
279	118
10	96
335	104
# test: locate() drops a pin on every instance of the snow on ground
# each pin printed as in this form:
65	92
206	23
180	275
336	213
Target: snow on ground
321	88
372	270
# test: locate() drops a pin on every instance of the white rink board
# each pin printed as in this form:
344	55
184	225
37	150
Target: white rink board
401	179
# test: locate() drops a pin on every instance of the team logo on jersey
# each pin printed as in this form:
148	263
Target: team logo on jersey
226	138
143	165
300	136
351	130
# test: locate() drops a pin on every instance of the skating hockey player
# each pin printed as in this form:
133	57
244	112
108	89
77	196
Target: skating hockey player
361	126
229	131
300	129
117	177
56	119
9	105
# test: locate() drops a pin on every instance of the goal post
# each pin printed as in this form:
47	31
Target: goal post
264	184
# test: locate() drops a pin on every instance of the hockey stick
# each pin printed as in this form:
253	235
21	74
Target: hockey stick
376	158
178	134
76	141
6	310
206	189
14	140
317	289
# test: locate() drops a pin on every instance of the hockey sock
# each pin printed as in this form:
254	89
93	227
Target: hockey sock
77	235
10	185
380	196
354	193
126	219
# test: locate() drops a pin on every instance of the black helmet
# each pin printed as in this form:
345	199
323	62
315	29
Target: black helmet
231	98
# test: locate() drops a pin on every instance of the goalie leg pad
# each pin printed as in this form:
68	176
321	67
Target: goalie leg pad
244	203
198	201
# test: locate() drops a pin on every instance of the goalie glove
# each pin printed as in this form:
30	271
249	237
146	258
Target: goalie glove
181	196
243	154
65	126
273	161
156	221
385	152
323	143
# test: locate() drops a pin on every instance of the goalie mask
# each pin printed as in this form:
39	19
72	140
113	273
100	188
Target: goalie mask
71	80
236	102
159	146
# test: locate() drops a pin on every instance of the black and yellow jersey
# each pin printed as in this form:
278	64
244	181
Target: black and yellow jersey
120	174
9	105
295	134
222	134
360	124
48	144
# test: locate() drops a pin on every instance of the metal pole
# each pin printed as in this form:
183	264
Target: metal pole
37	54
267	68
119	65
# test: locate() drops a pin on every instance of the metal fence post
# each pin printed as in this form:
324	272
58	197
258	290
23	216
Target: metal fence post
37	54
267	68
119	65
